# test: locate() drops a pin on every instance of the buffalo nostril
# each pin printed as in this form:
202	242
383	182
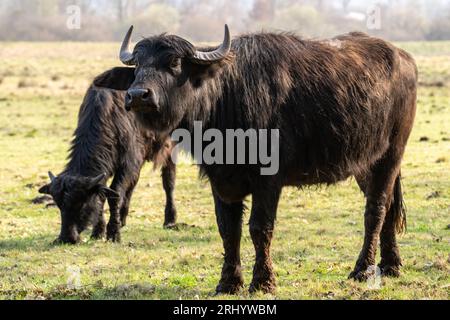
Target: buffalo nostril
128	98
146	95
128	101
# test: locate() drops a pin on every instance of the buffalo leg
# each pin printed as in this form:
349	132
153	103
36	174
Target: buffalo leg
379	193
99	229
125	208
121	183
262	223
390	255
114	224
229	220
168	179
384	208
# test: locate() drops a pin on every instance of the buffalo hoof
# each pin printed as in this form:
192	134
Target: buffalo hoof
266	287
123	221
170	217
390	271
99	232
98	235
229	288
359	274
115	237
59	241
170	225
113	233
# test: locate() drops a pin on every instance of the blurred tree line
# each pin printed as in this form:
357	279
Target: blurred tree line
202	20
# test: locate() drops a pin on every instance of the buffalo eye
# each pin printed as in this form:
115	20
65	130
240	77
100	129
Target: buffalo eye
175	62
174	65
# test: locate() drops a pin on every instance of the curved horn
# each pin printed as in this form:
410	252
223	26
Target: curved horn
216	55
98	179
51	176
126	53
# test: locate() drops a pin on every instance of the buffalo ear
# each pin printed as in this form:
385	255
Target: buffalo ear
45	189
51	176
120	78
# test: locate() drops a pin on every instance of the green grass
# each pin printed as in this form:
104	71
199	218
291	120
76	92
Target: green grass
318	233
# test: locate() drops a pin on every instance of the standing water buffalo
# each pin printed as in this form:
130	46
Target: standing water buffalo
108	142
343	108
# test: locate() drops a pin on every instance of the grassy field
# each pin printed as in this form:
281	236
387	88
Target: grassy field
319	230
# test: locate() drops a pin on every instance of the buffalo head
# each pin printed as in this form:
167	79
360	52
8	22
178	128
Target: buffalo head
166	75
78	199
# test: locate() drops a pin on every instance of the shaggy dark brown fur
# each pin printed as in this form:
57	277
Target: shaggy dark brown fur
344	108
108	142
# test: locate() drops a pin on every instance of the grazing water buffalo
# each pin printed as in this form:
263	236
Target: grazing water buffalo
108	142
343	108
